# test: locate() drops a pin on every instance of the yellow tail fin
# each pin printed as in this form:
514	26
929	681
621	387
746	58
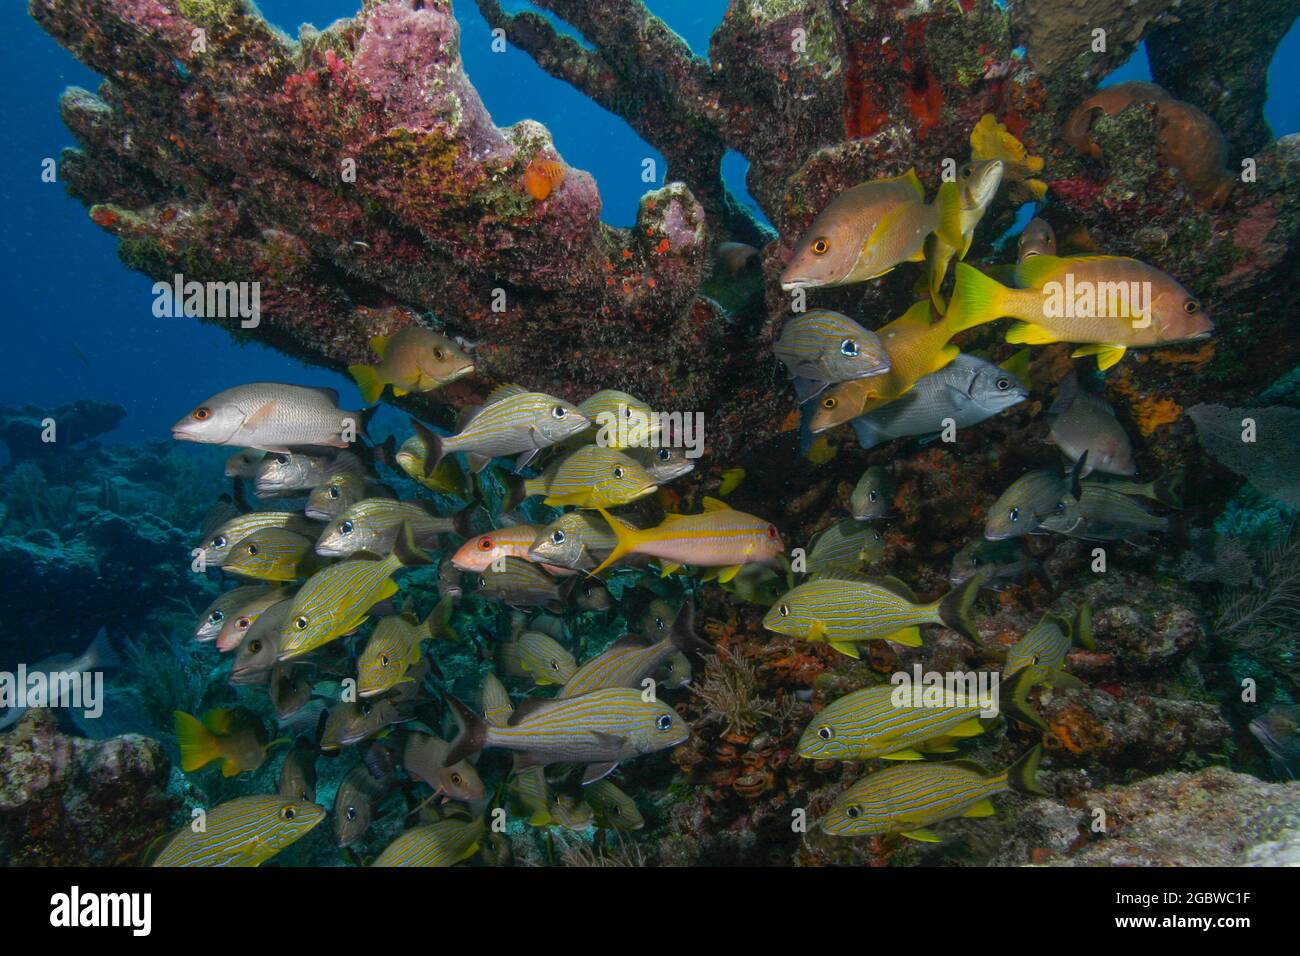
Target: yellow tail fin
625	540
198	744
368	382
976	299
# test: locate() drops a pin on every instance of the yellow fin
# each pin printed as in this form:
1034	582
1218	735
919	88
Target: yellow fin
847	648
197	743
727	573
912	180
922	836
731	479
713	504
981	808
948	204
1107	355
667	569
399	392
905	754
817	632
626	540
367	382
967	728
1017	365
908	637
1025	333
379	344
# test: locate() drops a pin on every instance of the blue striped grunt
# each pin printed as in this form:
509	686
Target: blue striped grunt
511	422
246	831
612	808
590	477
272	554
216	547
214	617
601	729
538	657
337	600
821	347
907	798
371	525
334	496
1030	500
845	546
874	723
631	659
495	701
392	650
444	843
619	420
1041	652
847	610
521	584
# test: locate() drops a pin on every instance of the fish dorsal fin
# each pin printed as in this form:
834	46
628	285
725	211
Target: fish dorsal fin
1017	365
502	392
527	706
911	179
891	584
918	316
1036	271
714	504
329	393
378	344
631	640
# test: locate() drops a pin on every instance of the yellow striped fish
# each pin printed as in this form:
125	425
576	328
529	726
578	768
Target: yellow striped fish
591	477
1030	500
578	540
720	537
631	659
272	554
845	547
446	478
512	422
215	616
847	610
444	843
537	656
874	723
1040	654
521	584
821	347
337	600
216	547
623	420
371	525
907	798
600	729
246	831
393	649
612	808
495	700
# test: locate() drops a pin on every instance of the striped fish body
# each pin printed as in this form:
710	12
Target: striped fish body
444	843
1023	507
520	584
335	602
909	797
592	477
868	723
393	649
844	547
1103	514
623	420
480	553
272	554
826	347
531	794
613	809
495	701
270	416
214	618
245	831
577	540
217	546
287	474
720	537
446	479
663	464
842	612
332	497
515	423
372	525
604	726
538	656
245	614
1043	649
625	664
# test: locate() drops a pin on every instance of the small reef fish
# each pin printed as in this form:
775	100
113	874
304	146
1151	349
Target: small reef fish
236	736
1082	422
1095	302
520	583
298	773
392	650
1002	562
245	612
243	463
612	809
337	600
255	657
631	659
908	798
216	547
213	619
372	526
843	612
484	551
294	473
1041	652
662	464
821	347
1278	732
359	794
961	205
719	537
290	690
871	723
495	701
542	177
619	420
966	391
57	669
591	477
271	416
246	831
1037	239
873	495
578	541
1030	500
336	495
863	233
414	359
272	554
447	477
600	729
844	547
512	422
537	656
423	755
443	843
351	722
1103	514
531	795
917	347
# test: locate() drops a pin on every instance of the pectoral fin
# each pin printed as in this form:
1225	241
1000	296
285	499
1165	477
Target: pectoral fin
1107	354
848	648
922	835
1025	333
981	808
908	637
727	573
904	754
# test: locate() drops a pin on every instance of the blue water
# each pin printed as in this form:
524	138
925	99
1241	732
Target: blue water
65	290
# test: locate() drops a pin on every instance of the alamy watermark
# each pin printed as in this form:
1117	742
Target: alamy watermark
922	689
1086	299
209	300
24	689
639	428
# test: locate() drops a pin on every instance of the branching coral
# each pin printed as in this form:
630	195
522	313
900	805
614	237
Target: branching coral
1263	618
732	689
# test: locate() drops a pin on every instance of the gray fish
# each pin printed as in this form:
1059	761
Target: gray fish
873	495
1103	514
1082	422
98	656
298	772
1005	562
243	463
1037	239
967	390
216	615
351	722
255	657
271	416
1030	500
291	474
290	689
354	804
821	347
662	464
1278	732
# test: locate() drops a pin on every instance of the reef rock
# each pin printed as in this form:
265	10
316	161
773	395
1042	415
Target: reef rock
23	429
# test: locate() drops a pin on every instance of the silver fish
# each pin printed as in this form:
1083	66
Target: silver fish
271	416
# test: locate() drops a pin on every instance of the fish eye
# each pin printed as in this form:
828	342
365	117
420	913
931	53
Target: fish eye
219	541
825	733
616	810
300	623
334	492
346	527
243	623
438	353
1034	659
558	411
659	623
202	413
830	402
662	454
216	617
1003	384
873	495
555	665
383	660
282	459
252	549
1014	514
618	472
664	722
853	812
976	562
255	647
288	813
771	531
485	544
558	536
1191	306
455	778
821	245
351	813
966	171
784	610
849	347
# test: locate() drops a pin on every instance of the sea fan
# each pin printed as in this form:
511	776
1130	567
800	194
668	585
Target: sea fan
1262	619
